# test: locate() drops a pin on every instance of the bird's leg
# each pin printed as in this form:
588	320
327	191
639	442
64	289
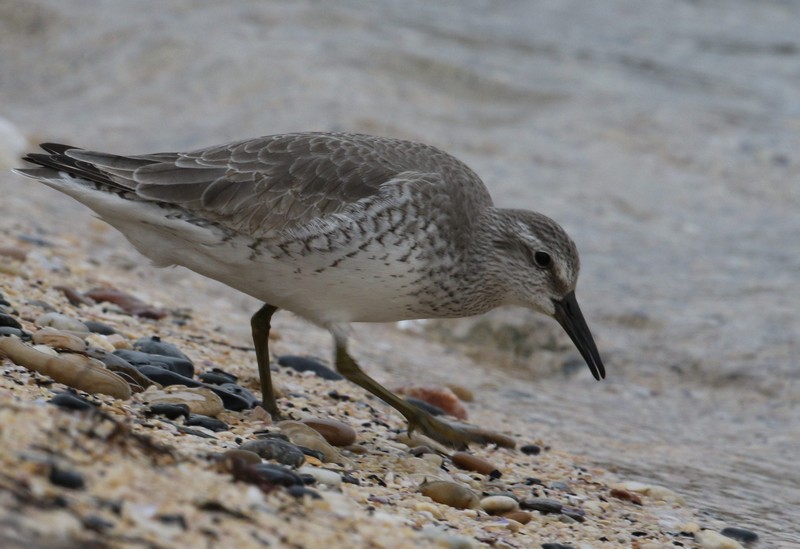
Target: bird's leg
260	324
418	418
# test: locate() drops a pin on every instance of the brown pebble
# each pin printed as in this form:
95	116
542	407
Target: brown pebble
420	450
74	297
59	340
335	432
244	457
450	493
260	414
128	303
303	435
441	397
468	462
523	517
78	371
626	495
356	449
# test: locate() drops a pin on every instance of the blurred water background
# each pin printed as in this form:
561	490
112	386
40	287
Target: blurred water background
664	135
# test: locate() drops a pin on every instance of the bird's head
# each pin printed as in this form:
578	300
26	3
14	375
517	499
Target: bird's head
538	264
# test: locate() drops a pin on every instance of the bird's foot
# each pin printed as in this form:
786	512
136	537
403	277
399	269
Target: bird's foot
443	432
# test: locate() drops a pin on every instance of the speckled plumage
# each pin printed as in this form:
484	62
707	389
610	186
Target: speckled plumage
335	227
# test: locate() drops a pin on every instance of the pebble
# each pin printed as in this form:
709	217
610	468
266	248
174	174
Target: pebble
543	505
441	397
9	321
210	423
335	432
11	331
154	346
523	517
66	478
269	473
303	364
165	377
226	460
450	493
336	395
61	322
100	341
276	449
71	401
169	411
690	528
578	515
235	397
708	539
217	377
446	538
556	546
57	339
322	476
530	450
77	371
739	534
199	399
128	303
74	297
625	495
120	366
99	328
313	457
654	491
45	349
434	459
469	462
97	523
498	505
302	491
419	451
303	435
178	365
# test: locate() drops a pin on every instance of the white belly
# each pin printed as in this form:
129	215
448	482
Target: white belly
373	285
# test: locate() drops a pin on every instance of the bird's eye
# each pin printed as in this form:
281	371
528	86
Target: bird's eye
542	259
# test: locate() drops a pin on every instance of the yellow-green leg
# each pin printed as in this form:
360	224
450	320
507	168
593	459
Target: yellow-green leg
436	429
260	324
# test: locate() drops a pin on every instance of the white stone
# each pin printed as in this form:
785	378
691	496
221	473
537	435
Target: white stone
495	505
322	476
708	539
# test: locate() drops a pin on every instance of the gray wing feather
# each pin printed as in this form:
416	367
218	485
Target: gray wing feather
278	182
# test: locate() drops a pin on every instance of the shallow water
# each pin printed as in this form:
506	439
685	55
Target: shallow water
663	135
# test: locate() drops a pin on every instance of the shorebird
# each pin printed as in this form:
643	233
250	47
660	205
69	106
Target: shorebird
337	228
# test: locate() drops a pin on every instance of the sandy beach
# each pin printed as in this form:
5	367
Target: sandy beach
664	138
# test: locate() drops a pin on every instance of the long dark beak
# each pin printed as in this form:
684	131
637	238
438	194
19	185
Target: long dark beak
571	319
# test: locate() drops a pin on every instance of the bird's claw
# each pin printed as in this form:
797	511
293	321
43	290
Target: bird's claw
450	435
